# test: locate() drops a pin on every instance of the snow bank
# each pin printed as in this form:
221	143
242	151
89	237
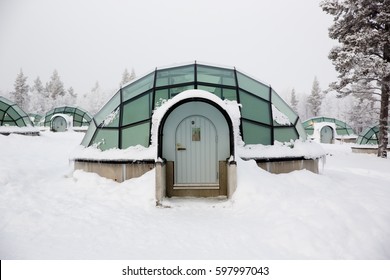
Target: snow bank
130	154
293	149
49	211
17	129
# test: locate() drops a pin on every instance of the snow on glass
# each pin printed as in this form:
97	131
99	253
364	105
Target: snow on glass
279	117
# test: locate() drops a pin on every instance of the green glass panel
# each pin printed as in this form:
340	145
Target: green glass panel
341	131
108	108
12	113
176	90
255	134
160	96
88	121
3	106
69	109
168	93
8	118
19	110
301	131
214	75
329	120
59	110
137	110
340	123
87	117
253	86
285	134
369	134
282	106
136	135
214	90
307	123
79	112
359	140
27	121
106	139
20	122
174	76
254	108
230	94
77	118
138	87
88	135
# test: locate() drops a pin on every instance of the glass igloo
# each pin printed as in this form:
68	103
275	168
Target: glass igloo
326	130
14	120
130	109
191	122
79	118
369	136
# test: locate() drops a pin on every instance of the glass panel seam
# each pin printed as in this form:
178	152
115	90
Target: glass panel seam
136	123
258	123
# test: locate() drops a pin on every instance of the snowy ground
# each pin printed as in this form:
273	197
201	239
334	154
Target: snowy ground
47	211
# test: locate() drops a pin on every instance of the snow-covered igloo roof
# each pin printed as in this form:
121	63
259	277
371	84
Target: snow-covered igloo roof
79	115
12	115
126	119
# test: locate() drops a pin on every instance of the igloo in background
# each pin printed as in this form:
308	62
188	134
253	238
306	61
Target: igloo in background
14	120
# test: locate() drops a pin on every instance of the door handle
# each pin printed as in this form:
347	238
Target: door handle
181	149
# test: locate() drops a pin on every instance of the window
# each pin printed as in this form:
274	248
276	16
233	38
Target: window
214	75
253	86
137	110
136	135
256	134
174	76
254	108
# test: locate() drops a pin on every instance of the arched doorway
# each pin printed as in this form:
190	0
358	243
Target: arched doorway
196	154
195	141
58	124
326	135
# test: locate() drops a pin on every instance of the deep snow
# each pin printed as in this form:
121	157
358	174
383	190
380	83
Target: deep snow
49	211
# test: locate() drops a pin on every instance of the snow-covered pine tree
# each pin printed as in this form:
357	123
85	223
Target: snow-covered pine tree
20	95
294	101
55	88
315	98
132	75
362	28
38	98
364	112
126	77
72	93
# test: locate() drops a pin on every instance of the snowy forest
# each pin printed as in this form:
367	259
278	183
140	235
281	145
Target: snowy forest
38	98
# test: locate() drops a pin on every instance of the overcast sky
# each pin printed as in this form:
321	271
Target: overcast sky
284	43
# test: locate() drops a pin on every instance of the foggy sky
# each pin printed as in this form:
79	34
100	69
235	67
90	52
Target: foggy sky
284	43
